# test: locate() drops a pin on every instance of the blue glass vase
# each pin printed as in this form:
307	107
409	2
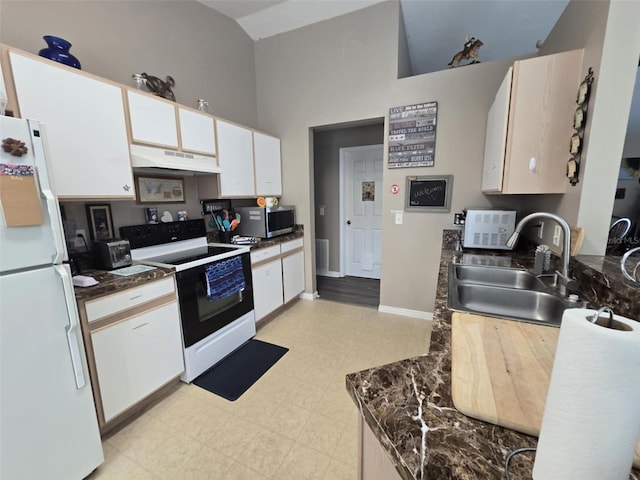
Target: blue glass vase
58	50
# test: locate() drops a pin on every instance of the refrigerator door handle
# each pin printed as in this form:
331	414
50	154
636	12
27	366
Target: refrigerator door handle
53	208
56	226
73	329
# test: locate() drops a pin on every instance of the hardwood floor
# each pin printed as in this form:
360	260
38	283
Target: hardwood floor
354	290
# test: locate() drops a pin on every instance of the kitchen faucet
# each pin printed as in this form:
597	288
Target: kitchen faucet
566	233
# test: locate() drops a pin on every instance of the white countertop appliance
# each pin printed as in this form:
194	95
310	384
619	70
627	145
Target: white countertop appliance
488	228
49	427
217	316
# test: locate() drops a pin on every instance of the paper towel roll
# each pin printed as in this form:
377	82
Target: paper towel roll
591	420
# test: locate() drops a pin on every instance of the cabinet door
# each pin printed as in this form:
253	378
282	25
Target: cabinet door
293	275
197	132
137	356
496	137
84	125
267	164
267	288
153	120
235	157
540	123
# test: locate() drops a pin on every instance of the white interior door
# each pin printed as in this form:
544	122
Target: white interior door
362	207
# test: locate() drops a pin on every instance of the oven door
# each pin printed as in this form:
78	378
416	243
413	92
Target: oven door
202	316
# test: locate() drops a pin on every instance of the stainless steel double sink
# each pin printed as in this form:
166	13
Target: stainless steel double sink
503	292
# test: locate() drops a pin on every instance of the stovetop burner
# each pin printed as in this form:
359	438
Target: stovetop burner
186	256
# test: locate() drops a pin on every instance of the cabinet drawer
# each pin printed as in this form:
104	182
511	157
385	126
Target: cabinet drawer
292	245
264	253
105	306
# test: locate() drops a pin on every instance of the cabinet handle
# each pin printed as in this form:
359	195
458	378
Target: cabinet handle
137	296
140	326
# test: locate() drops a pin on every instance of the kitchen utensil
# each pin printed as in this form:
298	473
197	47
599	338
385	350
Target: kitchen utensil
234	224
238	217
219	221
227	224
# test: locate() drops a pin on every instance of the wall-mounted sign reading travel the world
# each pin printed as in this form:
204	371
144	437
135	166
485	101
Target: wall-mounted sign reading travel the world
412	135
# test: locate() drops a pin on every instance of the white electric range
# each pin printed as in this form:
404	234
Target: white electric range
215	288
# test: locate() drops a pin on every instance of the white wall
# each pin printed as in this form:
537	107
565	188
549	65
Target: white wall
345	69
609	34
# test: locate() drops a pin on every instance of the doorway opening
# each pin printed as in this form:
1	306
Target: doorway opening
348	170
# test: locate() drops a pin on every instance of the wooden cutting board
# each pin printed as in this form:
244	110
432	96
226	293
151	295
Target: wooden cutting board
577	237
500	371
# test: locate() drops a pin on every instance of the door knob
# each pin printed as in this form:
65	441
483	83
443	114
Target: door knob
348	222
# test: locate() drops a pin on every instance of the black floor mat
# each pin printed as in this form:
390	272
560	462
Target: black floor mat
234	374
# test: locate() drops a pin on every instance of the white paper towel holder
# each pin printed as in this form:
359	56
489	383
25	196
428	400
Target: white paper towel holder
596	319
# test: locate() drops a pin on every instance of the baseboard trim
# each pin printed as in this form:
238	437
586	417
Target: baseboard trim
328	273
309	296
405	312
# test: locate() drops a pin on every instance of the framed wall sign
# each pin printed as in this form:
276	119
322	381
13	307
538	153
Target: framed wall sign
160	190
412	135
431	193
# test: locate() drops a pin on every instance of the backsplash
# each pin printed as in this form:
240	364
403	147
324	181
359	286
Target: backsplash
131	213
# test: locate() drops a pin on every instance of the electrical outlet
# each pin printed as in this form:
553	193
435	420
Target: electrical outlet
557	233
541	230
78	242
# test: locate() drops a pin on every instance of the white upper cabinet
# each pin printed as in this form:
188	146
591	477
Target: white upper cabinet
267	164
235	157
496	138
529	126
197	132
153	120
86	134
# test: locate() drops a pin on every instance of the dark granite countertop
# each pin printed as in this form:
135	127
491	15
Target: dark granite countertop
408	405
110	283
214	237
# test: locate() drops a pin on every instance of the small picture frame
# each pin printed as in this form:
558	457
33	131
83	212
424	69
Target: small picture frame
151	214
429	193
153	190
100	221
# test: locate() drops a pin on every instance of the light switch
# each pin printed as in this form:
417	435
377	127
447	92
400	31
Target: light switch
398	218
321	211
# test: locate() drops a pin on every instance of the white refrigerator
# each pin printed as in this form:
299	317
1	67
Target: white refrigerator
48	423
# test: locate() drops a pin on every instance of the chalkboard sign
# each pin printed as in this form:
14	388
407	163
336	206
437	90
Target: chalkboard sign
429	193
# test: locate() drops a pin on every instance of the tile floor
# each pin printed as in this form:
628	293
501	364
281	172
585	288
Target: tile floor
297	422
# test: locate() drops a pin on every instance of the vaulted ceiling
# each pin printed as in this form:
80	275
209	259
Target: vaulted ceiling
435	29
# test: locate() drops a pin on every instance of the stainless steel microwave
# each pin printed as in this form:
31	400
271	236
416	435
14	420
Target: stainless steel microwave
266	222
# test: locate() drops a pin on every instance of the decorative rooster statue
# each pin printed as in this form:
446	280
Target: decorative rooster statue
160	88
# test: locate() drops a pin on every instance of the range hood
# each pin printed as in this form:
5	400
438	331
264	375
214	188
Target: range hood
152	159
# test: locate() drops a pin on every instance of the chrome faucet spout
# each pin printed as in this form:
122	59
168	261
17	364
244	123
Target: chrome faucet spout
566	233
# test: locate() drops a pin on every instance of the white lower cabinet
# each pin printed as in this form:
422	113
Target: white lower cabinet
134	347
293	275
278	275
137	356
267	288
